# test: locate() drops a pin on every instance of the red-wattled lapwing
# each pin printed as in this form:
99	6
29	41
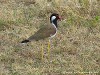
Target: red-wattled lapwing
49	30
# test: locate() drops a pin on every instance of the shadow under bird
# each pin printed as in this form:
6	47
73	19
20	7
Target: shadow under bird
46	31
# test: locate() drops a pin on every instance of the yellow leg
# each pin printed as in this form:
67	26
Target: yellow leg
42	53
49	48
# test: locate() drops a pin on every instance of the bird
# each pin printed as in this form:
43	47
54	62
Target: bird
47	31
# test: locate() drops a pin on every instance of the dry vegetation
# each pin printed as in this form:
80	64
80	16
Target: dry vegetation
76	48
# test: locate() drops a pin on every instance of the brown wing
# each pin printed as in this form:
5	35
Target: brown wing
43	33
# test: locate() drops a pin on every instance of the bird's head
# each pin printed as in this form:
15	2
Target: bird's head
54	17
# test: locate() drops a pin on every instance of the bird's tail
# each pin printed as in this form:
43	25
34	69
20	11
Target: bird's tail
25	41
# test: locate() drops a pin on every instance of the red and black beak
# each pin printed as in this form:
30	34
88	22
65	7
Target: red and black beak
59	18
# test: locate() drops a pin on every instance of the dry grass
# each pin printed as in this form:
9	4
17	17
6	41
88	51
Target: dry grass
74	51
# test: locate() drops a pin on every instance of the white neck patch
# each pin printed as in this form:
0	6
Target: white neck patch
53	18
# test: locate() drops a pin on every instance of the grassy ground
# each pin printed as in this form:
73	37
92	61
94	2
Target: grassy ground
74	51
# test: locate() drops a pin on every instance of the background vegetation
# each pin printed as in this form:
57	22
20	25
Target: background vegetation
74	51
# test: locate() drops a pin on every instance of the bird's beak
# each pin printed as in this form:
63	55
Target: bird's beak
59	18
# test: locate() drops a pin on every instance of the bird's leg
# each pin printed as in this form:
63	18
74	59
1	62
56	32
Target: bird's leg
42	53
49	48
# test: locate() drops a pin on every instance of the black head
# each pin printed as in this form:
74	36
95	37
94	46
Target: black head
54	16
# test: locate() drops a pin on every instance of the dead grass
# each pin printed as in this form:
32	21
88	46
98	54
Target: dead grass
74	51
